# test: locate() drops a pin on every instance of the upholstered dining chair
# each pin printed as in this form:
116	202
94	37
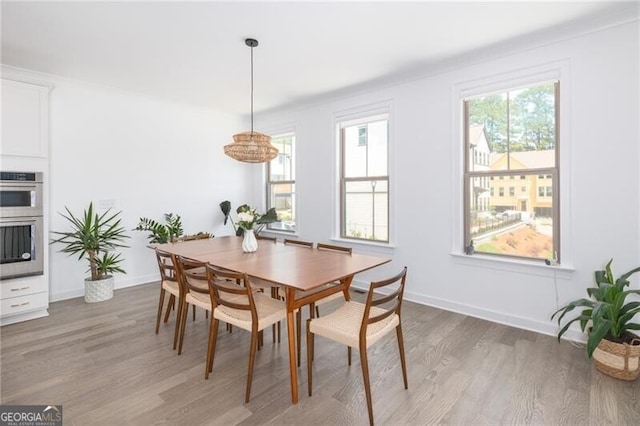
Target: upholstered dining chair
168	284
239	305
270	288
360	325
288	241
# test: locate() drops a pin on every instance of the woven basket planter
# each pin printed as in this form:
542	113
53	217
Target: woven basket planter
99	290
618	360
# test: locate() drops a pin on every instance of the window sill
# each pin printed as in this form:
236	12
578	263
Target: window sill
531	267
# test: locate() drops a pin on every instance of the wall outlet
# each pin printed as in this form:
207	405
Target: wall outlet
106	204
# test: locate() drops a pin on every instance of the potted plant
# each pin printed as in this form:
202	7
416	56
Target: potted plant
610	319
93	236
161	233
260	221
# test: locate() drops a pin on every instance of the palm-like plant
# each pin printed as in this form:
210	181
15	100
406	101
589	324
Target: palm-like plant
610	317
93	236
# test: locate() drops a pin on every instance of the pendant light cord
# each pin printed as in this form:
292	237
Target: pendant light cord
252	90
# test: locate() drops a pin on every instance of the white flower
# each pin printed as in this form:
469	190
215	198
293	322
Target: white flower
245	217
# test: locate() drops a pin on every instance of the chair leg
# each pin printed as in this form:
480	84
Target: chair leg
273	333
298	332
367	384
310	348
279	324
176	332
402	359
160	309
211	348
172	299
183	323
349	354
194	312
252	357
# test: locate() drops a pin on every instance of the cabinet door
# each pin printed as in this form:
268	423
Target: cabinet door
25	113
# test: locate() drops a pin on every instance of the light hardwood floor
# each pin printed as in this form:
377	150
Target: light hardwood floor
106	366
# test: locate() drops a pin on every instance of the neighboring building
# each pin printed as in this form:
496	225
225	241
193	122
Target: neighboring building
525	193
480	157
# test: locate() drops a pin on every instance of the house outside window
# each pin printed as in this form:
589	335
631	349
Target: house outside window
281	183
520	125
364	179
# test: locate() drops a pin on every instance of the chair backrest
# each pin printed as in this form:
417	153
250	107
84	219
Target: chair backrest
192	275
232	290
298	243
331	247
392	301
166	264
198	236
262	237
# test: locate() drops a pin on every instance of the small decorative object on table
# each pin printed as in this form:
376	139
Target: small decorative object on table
247	218
249	223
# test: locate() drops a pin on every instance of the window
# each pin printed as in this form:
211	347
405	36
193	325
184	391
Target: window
364	180
520	128
281	183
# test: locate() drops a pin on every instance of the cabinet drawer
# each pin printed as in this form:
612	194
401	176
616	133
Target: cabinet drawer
16	305
22	286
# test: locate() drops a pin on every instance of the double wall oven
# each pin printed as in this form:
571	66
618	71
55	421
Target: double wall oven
21	228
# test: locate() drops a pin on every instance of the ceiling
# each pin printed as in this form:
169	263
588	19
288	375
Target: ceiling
195	52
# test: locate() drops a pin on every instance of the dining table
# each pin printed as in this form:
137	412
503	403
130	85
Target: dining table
299	270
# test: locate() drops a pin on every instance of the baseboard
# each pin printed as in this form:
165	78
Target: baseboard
547	328
130	282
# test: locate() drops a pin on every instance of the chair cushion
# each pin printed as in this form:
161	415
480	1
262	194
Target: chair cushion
171	287
269	311
343	324
202	300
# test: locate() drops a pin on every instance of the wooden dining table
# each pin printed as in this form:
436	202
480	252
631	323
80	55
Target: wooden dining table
297	269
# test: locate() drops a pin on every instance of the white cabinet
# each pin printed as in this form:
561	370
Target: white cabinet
25	147
25	118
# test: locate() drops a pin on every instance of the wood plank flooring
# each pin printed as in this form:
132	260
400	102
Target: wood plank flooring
106	366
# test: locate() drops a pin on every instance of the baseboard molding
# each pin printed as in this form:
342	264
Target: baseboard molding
130	282
546	328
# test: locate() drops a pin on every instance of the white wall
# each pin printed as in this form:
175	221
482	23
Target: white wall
148	155
599	180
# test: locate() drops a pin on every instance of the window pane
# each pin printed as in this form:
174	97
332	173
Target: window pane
366	210
518	224
282	167
365	149
282	197
515	128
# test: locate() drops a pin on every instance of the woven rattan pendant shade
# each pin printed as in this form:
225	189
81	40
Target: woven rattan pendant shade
251	147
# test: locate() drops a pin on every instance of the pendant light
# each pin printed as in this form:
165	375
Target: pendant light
251	147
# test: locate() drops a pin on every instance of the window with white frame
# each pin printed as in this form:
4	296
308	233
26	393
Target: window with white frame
281	183
518	129
364	178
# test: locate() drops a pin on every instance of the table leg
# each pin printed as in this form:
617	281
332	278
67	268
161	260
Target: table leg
292	346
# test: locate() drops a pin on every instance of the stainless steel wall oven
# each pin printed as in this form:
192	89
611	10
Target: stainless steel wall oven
21	229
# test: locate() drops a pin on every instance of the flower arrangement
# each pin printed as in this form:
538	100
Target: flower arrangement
248	218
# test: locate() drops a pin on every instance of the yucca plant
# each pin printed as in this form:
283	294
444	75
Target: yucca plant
607	313
93	236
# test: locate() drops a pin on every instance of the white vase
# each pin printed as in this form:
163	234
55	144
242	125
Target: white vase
249	243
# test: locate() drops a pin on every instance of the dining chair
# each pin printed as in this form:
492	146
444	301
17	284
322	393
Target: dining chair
239	305
194	287
288	241
266	286
360	325
168	284
265	238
